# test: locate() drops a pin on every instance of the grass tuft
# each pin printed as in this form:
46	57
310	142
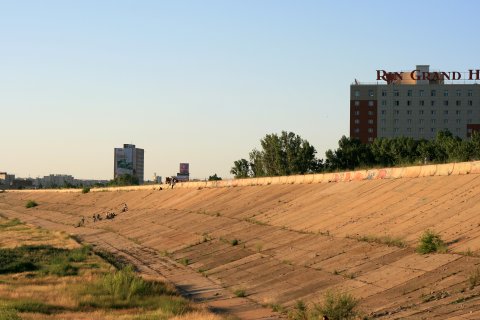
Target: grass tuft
240	293
430	241
337	306
31	204
85	190
474	278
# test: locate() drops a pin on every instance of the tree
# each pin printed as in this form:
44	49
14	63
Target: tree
241	168
350	154
283	154
124	180
214	178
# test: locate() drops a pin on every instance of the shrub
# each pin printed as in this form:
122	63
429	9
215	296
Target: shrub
474	278
430	241
185	261
234	242
85	190
337	306
240	293
124	284
31	204
79	254
7	313
299	311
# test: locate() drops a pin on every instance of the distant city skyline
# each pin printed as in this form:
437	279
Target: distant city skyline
201	82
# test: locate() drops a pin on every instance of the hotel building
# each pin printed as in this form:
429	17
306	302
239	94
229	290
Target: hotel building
414	104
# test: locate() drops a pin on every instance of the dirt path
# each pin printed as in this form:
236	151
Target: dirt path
154	264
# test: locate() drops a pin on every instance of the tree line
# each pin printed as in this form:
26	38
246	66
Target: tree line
287	153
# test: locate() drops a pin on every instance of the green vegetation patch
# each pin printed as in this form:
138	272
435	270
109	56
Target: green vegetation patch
85	190
44	258
388	240
10	223
31	204
430	241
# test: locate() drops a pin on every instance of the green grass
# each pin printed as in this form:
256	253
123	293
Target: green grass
474	278
240	293
337	306
8	313
31	204
430	241
116	261
234	242
184	261
10	223
85	190
44	258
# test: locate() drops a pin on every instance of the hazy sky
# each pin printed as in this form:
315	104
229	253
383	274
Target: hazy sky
201	81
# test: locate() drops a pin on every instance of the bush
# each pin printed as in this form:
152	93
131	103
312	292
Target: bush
240	293
7	313
337	306
31	204
474	278
430	241
85	190
299	311
234	242
124	284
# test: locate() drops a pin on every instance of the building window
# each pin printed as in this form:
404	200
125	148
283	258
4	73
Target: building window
470	102
396	130
458	103
409	121
432	130
445	102
370	130
458	121
420	112
396	121
357	130
396	93
469	112
357	121
433	93
370	93
445	112
357	113
445	93
409	112
458	93
409	129
432	103
383	129
370	121
384	93
433	112
420	130
409	93
370	113
384	112
357	94
457	130
397	112
458	112
432	121
470	93
384	121
422	102
469	121
409	102
357	103
422	93
370	103
384	103
397	103
370	139
445	121
420	121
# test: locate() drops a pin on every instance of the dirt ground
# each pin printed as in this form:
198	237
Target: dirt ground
281	243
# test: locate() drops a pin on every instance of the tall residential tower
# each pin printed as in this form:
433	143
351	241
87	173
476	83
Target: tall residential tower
128	160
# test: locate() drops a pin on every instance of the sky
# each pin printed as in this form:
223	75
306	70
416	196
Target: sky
201	81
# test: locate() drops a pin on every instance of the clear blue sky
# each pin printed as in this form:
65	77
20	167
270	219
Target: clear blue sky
201	81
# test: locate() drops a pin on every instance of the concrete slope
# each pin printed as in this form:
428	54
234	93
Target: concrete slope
295	241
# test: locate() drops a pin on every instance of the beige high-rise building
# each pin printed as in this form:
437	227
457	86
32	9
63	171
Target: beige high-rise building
415	104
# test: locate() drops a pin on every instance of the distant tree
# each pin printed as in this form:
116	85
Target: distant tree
124	180
241	168
350	154
282	154
214	178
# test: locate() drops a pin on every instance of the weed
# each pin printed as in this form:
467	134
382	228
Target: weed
299	311
388	240
234	242
430	241
185	261
240	293
10	223
276	307
474	278
31	204
85	190
337	306
8	313
34	307
258	247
